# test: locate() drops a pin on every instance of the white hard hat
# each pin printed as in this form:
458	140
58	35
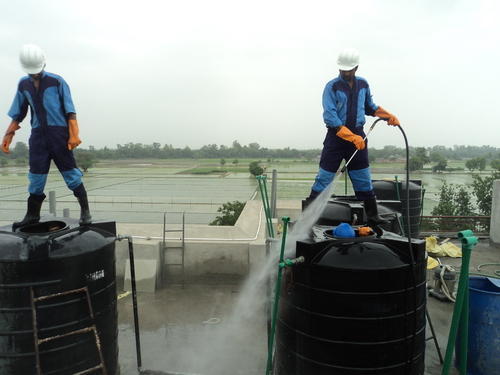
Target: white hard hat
32	59
348	59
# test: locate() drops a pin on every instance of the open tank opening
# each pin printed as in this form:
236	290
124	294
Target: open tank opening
44	227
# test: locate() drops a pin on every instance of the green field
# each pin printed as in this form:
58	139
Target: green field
141	191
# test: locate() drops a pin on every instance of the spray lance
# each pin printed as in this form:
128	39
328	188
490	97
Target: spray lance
343	169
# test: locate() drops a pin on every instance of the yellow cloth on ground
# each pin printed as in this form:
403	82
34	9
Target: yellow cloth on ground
431	263
447	249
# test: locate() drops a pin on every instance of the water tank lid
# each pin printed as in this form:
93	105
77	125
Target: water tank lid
344	230
361	256
51	239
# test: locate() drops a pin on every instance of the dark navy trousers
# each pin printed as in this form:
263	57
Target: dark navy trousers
336	149
49	143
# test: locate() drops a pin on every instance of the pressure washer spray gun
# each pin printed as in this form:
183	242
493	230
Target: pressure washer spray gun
339	173
343	169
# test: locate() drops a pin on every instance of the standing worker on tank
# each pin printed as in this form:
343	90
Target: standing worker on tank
346	101
54	132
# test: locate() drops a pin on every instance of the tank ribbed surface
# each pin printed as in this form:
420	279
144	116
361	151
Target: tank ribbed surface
352	308
396	190
49	263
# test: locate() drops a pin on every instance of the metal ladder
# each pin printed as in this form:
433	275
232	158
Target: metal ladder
92	328
179	248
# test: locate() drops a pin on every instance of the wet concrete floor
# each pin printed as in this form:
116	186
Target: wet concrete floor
187	329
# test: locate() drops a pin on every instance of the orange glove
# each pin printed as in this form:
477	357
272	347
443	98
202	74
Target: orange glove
9	135
365	231
73	140
391	119
348	135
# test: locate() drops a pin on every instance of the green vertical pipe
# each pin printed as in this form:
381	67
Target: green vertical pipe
265	204
268	206
259	180
468	242
464	330
277	290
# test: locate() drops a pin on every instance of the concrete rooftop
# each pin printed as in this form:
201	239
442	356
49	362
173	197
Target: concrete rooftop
188	329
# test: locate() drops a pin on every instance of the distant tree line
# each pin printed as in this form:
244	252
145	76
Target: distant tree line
210	151
419	156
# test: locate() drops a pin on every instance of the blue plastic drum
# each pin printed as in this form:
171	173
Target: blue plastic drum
483	356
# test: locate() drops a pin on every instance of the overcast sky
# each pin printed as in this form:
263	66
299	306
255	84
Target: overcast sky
195	72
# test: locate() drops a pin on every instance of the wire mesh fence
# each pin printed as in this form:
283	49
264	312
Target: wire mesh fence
480	225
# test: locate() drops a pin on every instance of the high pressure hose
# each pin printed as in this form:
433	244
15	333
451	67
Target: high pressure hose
410	249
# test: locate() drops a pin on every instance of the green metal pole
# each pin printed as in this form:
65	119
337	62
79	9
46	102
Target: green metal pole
464	330
265	204
277	290
267	207
264	179
468	242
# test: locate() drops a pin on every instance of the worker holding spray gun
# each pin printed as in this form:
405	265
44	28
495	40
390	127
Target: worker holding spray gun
346	101
54	132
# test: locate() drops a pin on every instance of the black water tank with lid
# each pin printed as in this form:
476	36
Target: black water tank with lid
50	259
347	209
355	307
396	190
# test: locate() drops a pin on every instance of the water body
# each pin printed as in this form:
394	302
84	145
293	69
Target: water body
141	194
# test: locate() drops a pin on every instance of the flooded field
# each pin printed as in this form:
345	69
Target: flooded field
142	191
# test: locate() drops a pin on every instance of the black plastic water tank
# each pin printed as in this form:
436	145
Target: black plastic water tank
48	258
341	210
396	190
352	309
347	209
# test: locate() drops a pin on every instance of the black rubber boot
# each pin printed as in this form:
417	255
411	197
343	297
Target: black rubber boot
81	194
33	213
312	196
373	219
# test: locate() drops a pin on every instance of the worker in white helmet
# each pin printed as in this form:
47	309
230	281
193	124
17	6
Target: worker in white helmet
54	132
346	101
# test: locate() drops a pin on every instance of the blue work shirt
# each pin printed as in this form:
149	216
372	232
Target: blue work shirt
49	105
343	105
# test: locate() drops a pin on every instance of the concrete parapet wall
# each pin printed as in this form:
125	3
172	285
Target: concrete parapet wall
209	251
227	258
495	215
143	249
290	208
